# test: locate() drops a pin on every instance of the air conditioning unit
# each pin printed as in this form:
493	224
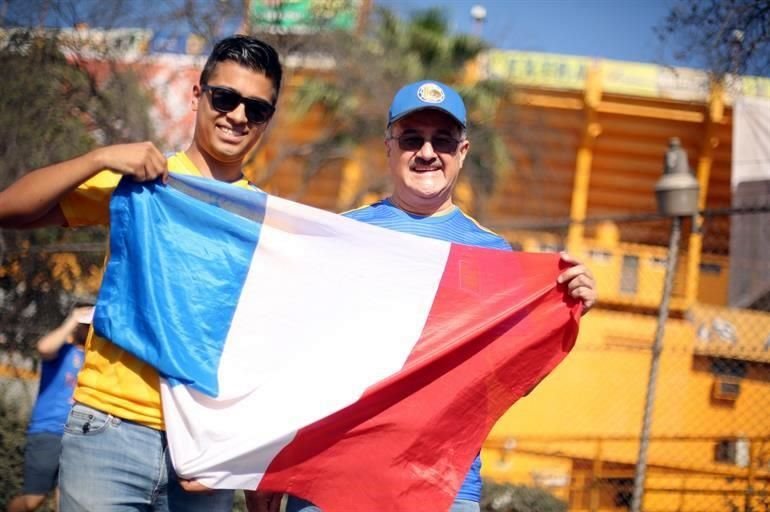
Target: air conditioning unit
726	388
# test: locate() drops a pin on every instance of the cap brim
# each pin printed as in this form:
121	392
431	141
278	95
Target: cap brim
427	107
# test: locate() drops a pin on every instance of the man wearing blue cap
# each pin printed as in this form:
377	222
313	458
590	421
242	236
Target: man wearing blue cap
426	145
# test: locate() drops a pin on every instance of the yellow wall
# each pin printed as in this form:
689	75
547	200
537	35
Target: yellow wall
590	408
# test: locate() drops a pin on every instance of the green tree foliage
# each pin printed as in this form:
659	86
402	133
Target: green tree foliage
12	428
731	36
368	69
54	108
47	92
518	498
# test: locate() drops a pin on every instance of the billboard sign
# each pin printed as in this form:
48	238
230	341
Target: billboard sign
303	16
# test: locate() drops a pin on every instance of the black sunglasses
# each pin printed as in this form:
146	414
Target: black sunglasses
414	142
226	100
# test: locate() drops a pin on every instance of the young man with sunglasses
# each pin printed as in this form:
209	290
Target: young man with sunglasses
114	453
426	144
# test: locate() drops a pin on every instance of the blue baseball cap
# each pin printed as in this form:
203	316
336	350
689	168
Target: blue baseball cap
427	94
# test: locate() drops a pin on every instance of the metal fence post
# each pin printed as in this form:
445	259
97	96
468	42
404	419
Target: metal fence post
657	347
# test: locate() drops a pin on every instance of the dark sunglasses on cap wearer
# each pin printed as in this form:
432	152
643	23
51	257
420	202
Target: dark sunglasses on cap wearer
414	142
224	99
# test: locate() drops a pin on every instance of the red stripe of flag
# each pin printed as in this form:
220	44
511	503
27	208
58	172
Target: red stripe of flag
498	325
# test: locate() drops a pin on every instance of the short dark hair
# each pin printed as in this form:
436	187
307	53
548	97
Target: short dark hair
249	52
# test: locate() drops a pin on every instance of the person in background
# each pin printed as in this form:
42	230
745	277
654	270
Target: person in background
61	352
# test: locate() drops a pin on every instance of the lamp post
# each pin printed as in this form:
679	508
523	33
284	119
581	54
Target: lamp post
677	197
479	15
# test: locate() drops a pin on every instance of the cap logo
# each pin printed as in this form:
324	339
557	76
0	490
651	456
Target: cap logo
430	93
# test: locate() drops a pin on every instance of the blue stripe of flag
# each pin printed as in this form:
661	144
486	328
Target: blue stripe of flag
179	256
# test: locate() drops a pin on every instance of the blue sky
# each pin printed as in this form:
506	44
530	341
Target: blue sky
612	29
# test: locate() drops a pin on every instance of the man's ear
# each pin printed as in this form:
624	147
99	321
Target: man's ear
462	151
197	92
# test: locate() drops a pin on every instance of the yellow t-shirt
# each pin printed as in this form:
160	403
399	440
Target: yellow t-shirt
111	379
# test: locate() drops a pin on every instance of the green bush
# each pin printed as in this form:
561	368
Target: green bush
12	427
518	498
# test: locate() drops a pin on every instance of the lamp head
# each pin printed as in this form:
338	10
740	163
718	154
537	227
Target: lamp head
677	190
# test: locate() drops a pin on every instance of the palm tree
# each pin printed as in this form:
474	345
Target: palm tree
370	68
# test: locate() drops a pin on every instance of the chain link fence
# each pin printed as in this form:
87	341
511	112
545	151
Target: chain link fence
42	275
578	434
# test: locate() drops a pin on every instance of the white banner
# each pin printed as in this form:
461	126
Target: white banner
750	233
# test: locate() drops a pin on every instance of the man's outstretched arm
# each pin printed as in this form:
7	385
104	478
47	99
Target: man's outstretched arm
33	200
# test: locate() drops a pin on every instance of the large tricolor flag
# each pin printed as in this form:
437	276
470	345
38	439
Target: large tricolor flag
305	352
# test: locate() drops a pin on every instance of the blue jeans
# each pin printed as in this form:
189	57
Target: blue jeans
295	504
108	464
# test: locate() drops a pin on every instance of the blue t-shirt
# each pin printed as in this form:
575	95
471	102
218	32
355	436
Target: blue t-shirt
54	398
454	226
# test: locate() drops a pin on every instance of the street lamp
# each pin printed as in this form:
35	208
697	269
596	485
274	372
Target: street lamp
677	190
479	15
676	193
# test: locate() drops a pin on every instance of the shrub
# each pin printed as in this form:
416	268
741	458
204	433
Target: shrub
12	430
518	498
